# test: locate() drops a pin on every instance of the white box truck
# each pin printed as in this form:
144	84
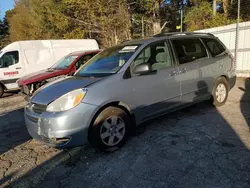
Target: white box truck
23	57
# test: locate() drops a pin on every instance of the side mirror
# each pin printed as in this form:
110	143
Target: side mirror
144	68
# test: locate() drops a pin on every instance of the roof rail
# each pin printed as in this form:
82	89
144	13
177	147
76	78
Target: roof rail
182	33
124	41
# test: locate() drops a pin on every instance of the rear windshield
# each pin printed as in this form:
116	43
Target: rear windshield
214	46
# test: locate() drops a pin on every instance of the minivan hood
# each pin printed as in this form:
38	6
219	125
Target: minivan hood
38	76
58	88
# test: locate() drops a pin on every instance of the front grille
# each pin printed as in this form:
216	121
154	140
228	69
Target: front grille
31	118
38	108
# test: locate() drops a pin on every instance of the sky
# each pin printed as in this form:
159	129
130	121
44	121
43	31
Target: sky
4	6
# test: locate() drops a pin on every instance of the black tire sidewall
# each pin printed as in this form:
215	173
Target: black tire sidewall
1	90
94	135
220	80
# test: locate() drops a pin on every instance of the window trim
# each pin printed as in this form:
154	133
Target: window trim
187	38
168	45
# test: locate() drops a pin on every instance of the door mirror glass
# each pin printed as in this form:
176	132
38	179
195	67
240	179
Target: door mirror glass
144	68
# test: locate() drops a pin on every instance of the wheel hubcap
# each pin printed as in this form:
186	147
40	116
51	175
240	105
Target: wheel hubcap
221	92
112	130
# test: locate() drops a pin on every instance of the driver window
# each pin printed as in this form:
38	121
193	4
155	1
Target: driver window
83	60
156	54
9	58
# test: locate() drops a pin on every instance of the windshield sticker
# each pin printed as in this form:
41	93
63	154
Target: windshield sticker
128	48
75	56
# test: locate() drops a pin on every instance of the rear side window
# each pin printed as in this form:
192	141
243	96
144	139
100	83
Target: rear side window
214	46
189	50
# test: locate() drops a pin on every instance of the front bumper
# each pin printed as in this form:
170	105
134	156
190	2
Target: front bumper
61	129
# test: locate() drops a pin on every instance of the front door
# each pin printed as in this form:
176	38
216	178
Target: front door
10	69
191	55
158	91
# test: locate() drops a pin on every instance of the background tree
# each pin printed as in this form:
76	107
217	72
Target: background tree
4	32
113	21
202	17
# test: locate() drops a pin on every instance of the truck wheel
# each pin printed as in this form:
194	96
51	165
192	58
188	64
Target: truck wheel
1	90
110	129
220	91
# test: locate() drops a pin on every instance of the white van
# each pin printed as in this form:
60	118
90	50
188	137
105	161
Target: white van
23	57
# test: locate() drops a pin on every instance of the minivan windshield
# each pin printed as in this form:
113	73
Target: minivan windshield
64	63
107	62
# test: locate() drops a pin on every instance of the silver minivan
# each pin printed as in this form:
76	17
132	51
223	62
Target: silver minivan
127	84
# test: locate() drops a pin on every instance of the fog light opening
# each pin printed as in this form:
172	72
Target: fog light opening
62	140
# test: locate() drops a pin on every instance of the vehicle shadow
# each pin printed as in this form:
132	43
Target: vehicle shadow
194	147
13	131
244	101
10	93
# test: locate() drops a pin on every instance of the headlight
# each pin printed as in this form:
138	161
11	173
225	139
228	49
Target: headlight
67	101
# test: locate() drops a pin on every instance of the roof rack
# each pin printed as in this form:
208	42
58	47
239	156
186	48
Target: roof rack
182	33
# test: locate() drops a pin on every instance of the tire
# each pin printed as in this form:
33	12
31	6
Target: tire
1	90
110	129
220	92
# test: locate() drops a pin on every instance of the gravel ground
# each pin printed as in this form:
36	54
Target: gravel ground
200	146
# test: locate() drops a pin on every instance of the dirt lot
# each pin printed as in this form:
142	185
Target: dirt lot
199	146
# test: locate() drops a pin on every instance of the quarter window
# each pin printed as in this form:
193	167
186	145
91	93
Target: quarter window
189	50
9	58
156	54
214	46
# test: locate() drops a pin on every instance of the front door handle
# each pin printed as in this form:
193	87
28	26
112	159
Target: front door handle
183	70
173	73
19	68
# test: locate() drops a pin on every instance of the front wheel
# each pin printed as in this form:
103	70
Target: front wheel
110	129
220	91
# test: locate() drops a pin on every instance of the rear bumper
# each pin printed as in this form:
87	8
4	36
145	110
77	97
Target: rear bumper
232	81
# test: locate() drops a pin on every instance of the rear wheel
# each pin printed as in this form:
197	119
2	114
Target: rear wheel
110	129
1	90
220	91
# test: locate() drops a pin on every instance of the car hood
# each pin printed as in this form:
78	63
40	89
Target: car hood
58	88
38	76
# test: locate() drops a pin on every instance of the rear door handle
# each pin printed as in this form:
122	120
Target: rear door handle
183	70
173	73
19	68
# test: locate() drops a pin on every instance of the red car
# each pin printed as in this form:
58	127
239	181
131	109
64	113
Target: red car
66	66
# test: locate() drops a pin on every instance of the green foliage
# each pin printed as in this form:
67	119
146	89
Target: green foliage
201	17
4	35
112	21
